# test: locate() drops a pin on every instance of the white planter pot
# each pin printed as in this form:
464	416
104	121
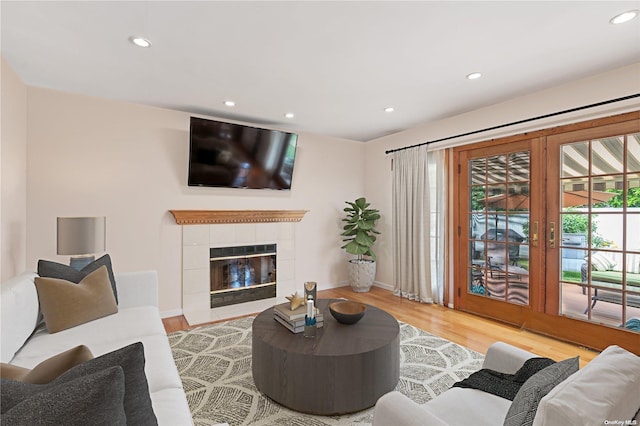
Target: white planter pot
361	274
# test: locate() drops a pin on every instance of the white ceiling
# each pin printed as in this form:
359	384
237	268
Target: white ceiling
336	65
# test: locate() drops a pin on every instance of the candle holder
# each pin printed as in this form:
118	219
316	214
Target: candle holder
310	291
310	320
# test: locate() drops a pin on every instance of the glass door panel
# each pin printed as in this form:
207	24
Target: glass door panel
600	230
499	227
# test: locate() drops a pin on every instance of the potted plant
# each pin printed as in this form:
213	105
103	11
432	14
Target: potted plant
360	234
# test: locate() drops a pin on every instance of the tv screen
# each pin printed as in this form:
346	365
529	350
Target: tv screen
236	156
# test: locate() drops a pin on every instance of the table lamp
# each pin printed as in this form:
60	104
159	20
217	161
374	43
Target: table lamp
81	238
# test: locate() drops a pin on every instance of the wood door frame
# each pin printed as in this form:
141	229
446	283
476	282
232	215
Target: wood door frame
554	142
542	315
482	305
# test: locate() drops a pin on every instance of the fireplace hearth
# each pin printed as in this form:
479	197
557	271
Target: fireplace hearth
242	274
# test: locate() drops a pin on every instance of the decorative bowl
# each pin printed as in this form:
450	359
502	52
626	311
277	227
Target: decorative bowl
347	311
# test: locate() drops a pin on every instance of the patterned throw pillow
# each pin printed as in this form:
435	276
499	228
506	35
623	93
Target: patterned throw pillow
524	405
600	262
633	263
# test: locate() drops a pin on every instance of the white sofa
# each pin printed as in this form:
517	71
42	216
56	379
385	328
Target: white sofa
607	389
137	320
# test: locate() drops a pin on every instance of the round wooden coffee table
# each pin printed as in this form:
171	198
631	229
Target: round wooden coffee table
344	369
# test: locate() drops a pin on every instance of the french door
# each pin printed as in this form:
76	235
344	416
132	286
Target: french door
594	204
547	231
501	211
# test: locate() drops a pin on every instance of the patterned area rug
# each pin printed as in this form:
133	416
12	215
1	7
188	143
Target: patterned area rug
214	362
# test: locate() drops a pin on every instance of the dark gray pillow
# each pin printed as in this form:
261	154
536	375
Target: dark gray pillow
49	269
95	399
525	404
137	401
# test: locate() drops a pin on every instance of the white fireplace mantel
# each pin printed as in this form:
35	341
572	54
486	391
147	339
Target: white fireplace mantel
205	229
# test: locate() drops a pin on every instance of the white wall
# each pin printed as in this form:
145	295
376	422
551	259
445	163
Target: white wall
618	83
13	174
90	156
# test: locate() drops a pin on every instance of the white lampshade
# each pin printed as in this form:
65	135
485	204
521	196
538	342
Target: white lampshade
81	235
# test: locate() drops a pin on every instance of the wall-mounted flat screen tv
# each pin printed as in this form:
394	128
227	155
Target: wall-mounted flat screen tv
236	156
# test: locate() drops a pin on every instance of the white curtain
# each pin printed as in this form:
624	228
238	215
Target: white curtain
419	195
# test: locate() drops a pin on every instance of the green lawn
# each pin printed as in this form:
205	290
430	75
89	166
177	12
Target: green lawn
572	276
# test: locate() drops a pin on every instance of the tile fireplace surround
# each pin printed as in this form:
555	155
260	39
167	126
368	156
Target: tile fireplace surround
205	229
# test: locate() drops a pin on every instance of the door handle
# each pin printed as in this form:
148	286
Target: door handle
552	235
534	234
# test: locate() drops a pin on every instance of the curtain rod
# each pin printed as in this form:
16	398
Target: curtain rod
513	123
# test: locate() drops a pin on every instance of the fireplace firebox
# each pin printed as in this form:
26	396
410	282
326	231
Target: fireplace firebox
242	274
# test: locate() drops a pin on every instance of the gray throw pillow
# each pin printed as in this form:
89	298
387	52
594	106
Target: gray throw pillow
137	401
525	404
95	399
49	269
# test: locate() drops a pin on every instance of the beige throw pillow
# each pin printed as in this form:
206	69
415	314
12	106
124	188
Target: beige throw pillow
605	391
65	304
49	369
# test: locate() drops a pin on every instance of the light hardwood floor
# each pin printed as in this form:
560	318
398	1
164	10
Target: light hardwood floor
468	330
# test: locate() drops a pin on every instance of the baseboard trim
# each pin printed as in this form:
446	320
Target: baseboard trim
346	284
334	285
172	313
383	285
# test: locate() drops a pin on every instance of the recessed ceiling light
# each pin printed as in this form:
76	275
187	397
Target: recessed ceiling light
474	76
624	17
388	109
230	103
140	41
289	115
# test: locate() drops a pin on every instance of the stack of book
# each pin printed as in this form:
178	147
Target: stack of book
293	320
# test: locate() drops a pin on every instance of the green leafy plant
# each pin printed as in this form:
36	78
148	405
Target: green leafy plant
579	224
359	228
633	198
